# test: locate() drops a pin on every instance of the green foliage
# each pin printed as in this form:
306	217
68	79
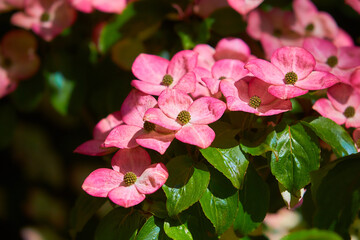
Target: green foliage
313	234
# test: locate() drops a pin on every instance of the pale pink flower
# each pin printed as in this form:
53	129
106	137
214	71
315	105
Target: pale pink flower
136	131
107	6
355	79
252	96
356	137
339	61
94	146
177	111
201	89
290	73
131	178
156	74
342	105
355	4
244	6
47	18
343	39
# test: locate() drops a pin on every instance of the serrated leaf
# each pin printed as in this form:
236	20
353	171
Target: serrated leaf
186	184
298	155
231	162
152	230
313	234
177	229
220	202
334	135
253	203
120	223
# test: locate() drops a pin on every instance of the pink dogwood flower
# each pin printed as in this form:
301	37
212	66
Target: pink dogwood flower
252	96
177	111
355	79
94	147
47	18
107	6
205	8
355	4
356	137
290	73
156	74
136	131
339	61
131	177
244	6
342	105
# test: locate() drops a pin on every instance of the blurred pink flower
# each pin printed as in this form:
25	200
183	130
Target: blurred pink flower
244	6
88	6
355	4
131	178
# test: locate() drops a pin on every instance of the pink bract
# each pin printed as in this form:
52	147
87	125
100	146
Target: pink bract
131	178
101	130
290	73
136	131
356	137
355	4
355	79
177	111
46	18
156	74
252	96
205	8
244	6
88	6
342	105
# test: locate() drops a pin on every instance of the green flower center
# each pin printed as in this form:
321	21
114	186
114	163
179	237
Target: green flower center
291	78
6	63
349	112
45	17
310	27
277	32
222	78
255	101
184	117
332	61
130	178
148	126
167	80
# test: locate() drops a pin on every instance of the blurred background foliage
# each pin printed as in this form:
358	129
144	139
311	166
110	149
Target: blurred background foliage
82	80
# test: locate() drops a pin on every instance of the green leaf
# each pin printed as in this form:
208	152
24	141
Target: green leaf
120	223
313	234
337	196
260	145
220	202
296	154
152	230
253	205
85	207
231	162
334	135
177	229
186	184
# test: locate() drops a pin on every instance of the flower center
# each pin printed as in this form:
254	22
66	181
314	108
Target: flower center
349	112
167	80
255	101
148	126
130	178
277	32
184	117
291	78
45	17
6	63
222	78
332	61
309	27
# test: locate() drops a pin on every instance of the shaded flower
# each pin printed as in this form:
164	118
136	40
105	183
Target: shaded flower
356	137
88	6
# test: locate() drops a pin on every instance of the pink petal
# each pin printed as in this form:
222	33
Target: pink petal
275	107
152	178
172	102
101	181
320	48
294	59
343	96
134	160
349	57
206	110
205	57
244	6
265	71
110	6
356	135
324	107
317	80
229	68
156	116
93	148
82	5
254	21
199	135
150	68
123	136
232	48
187	83
260	89
156	141
286	91
6	84
304	10
105	125
212	84
126	196
355	120
149	88
181	63
134	107
22	20
343	39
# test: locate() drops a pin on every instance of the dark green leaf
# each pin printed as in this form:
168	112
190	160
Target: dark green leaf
186	184
120	223
220	202
313	234
152	230
231	162
253	204
296	154
334	135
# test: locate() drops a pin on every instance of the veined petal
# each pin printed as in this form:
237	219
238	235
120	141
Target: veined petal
265	71
93	148
123	136
317	80
152	178
286	91
155	115
205	57
150	68
198	135
324	107
232	48
173	101
134	160
182	63
229	68
342	96
101	181
187	83
104	126
244	6
126	196
320	48
349	57
212	84
206	110
275	107
156	141
149	88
